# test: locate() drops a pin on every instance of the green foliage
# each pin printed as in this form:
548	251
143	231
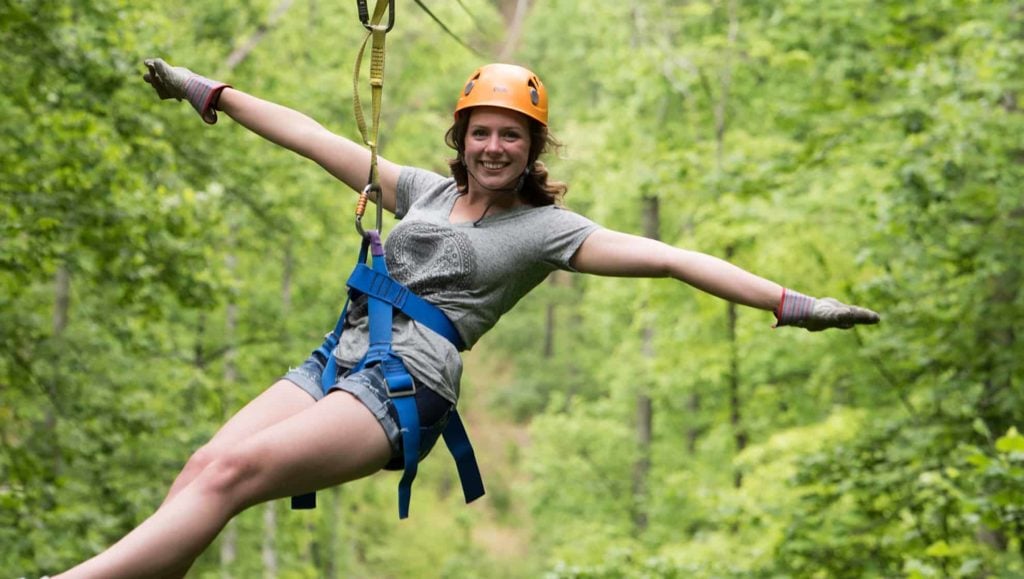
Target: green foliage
851	151
866	150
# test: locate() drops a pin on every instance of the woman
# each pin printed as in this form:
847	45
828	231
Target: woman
472	245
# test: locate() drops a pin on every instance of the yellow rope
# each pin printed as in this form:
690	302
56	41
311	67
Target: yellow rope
377	32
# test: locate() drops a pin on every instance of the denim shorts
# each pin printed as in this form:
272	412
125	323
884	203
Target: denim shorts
368	387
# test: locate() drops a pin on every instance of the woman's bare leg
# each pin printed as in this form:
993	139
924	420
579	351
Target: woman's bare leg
281	400
331	442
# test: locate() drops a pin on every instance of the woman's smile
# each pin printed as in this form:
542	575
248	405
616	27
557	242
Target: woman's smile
497	148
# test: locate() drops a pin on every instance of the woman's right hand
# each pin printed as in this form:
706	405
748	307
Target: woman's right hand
176	82
169	81
344	159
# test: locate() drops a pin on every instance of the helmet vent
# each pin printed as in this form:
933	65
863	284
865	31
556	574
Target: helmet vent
534	95
471	83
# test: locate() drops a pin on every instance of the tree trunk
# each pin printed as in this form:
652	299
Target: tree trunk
558	279
1000	332
735	403
62	299
694	432
549	325
514	13
61	309
268	547
229	539
228	549
243	49
642	468
725	86
336	555
644	406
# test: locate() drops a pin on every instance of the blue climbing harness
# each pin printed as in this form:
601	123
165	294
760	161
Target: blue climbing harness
384	295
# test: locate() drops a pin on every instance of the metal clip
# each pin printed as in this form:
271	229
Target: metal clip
364	198
364	15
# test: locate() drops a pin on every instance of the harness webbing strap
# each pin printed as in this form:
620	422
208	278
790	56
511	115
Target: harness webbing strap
384	295
371	282
409	419
399	382
457	441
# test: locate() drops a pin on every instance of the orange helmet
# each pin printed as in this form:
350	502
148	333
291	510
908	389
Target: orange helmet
507	86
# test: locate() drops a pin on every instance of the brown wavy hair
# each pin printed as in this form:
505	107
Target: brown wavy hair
537	190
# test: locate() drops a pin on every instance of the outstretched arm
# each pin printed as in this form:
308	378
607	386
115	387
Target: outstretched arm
344	159
341	157
612	253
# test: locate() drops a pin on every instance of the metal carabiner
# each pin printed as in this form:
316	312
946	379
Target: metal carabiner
364	15
364	198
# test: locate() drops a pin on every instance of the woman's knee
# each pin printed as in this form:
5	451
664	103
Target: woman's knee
201	458
229	472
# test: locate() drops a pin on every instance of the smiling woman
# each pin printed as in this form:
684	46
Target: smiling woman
517	95
495	158
497	146
470	247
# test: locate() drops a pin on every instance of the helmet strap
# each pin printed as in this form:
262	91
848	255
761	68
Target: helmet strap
522	180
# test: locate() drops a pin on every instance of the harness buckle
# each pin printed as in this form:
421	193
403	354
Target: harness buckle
401	393
397	381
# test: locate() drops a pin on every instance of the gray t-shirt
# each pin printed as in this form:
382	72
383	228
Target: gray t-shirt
473	273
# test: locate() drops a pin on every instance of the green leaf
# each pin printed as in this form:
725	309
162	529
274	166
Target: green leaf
1012	441
981	428
938	549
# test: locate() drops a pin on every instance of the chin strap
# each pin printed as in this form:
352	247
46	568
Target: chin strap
521	181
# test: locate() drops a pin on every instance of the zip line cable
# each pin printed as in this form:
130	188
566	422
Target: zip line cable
447	30
476	21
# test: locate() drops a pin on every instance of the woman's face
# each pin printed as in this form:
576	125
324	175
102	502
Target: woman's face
497	147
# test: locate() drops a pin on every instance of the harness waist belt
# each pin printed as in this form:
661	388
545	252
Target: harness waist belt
375	284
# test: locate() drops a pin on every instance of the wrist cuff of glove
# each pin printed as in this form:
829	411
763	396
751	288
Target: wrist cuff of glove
203	94
794	308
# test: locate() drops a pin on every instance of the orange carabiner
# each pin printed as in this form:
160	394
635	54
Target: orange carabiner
364	198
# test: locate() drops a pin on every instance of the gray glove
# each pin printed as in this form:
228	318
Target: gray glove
815	315
176	82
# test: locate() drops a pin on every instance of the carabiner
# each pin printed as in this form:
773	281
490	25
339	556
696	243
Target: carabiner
364	198
364	15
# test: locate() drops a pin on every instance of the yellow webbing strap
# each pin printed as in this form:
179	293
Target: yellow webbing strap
377	31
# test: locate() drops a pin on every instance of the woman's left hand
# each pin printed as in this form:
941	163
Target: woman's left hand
821	314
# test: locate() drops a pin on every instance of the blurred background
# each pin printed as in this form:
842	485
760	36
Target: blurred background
156	273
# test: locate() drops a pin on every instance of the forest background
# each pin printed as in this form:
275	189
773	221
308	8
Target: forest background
155	273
